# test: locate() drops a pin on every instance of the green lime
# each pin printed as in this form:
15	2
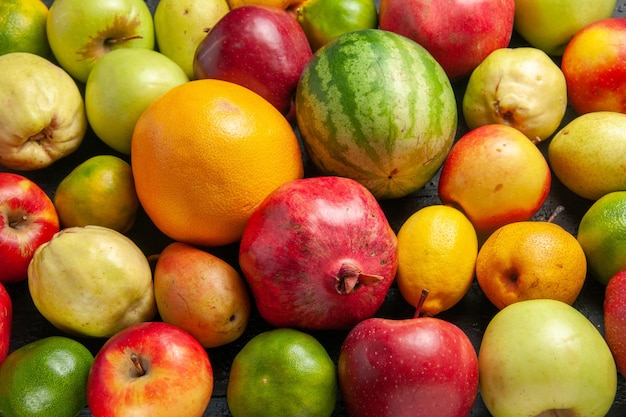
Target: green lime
602	235
45	378
100	191
282	372
324	20
23	27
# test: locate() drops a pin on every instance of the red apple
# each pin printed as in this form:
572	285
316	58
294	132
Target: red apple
262	48
150	369
417	367
28	218
594	65
6	319
615	318
458	33
495	175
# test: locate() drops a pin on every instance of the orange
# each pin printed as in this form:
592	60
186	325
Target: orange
23	27
530	260
205	154
282	372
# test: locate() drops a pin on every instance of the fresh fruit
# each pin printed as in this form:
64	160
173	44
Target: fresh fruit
283	4
6	322
282	372
180	26
614	309
586	155
495	176
437	248
45	378
28	219
81	32
528	260
91	281
99	191
202	294
150	369
594	64
23	27
261	48
545	358
359	119
318	253
324	20
550	24
119	88
418	367
204	156
504	89
44	114
459	34
602	235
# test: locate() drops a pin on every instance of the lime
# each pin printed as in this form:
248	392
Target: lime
23	27
324	20
437	250
602	235
100	191
282	372
45	378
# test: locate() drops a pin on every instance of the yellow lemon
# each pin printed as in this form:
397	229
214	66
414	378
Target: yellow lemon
437	249
23	27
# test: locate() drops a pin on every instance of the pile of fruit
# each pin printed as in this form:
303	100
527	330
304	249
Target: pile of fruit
312	208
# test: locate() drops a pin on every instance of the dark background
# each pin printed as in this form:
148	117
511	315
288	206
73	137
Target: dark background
472	313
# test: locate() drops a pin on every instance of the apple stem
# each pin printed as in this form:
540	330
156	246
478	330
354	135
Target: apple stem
555	213
110	41
420	303
135	360
17	222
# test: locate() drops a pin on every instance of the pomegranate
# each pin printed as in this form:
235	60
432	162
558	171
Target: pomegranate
318	254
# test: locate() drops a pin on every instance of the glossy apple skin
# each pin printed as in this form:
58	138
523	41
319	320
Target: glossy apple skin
419	367
6	321
594	65
615	318
178	379
495	175
262	48
447	29
28	219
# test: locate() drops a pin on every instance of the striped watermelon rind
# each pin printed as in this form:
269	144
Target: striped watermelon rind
376	107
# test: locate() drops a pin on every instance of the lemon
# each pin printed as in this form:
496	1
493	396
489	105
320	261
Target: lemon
23	27
100	191
602	235
437	250
282	372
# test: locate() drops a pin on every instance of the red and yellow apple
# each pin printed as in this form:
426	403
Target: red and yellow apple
28	219
6	319
614	309
594	65
495	175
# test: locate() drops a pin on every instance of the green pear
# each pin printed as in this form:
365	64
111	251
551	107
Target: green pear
180	26
45	378
587	155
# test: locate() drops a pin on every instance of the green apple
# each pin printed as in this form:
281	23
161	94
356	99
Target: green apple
43	114
180	26
45	378
119	88
543	357
550	24
80	32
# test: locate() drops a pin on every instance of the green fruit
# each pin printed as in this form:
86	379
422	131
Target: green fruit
602	235
324	20
587	155
46	378
376	107
282	372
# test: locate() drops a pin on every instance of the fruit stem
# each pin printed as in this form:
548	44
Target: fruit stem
135	360
17	222
111	41
420	303
555	213
350	279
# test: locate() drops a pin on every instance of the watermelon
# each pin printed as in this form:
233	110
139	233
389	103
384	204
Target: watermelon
376	107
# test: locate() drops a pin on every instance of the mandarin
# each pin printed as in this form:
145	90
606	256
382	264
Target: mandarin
204	156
